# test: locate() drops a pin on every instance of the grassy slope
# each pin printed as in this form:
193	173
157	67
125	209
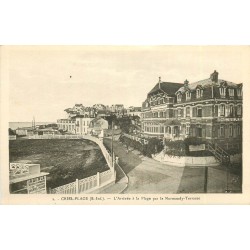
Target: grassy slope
65	160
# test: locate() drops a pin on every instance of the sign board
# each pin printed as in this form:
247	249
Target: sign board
19	169
37	185
197	147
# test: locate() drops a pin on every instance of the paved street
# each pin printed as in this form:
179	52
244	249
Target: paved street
147	176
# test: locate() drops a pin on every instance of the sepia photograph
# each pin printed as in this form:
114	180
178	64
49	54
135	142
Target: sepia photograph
125	120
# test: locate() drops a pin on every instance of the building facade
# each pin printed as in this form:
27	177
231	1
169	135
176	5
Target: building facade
158	109
210	109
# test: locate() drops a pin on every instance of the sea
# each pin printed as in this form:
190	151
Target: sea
15	125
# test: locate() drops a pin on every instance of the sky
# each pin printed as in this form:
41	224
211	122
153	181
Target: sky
40	84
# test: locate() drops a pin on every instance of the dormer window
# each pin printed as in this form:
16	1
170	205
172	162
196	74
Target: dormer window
231	92
222	92
239	92
188	96
179	97
199	93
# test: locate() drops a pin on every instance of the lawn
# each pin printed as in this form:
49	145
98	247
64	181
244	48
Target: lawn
65	160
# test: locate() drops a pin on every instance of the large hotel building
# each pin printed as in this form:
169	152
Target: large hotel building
210	109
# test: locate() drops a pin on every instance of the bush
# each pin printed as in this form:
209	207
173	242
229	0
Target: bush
175	148
154	146
12	132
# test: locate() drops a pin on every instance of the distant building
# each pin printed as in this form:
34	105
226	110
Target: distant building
25	131
78	119
133	111
97	125
82	124
117	108
66	125
99	107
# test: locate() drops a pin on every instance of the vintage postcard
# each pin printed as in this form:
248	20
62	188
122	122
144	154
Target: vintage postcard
124	125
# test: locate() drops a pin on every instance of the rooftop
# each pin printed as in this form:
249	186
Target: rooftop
169	88
205	84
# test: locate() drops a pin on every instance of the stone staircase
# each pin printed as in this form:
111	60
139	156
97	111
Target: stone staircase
219	153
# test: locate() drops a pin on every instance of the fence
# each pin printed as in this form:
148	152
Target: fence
52	136
86	185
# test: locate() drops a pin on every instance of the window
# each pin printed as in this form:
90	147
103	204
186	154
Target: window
187	129
223	92
179	112
187	111
222	131
179	98
194	111
239	110
231	92
199	111
188	96
231	110
230	130
222	110
199	93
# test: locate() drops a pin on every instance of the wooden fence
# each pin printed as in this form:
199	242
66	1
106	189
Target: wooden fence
86	185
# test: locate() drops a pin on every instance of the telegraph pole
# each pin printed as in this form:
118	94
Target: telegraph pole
112	144
205	181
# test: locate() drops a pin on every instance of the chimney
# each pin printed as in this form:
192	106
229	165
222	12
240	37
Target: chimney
214	76
186	83
159	82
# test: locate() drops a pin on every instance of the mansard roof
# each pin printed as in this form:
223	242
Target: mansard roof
207	83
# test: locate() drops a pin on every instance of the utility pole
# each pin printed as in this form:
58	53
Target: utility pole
206	179
112	144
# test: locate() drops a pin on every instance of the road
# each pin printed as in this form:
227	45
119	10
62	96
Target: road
148	176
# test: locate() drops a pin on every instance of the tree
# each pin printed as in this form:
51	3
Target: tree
12	132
